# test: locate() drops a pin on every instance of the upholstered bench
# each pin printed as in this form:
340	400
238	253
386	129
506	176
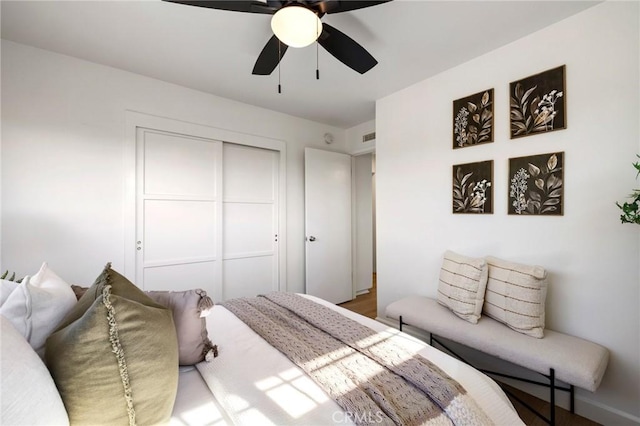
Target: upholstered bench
572	360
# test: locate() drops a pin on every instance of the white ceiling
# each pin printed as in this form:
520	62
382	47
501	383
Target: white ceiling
214	51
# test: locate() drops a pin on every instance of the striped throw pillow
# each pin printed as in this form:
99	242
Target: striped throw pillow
516	295
462	284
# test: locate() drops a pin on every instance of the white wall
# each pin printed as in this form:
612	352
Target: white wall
354	138
593	260
63	139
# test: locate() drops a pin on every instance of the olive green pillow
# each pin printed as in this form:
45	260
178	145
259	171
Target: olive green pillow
114	358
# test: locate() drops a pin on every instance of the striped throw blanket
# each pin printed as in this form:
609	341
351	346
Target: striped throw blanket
370	377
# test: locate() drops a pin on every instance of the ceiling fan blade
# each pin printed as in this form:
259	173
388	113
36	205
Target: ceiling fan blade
270	56
337	6
346	50
251	6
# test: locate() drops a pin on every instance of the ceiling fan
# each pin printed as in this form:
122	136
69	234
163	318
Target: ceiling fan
297	24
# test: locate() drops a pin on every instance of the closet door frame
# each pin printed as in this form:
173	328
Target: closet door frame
136	120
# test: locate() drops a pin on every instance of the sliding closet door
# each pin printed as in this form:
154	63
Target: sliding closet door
250	225
179	211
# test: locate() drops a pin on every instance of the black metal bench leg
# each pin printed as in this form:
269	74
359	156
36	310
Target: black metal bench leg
552	399
400	322
572	393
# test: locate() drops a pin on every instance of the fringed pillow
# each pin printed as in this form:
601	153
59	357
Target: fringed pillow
189	311
114	358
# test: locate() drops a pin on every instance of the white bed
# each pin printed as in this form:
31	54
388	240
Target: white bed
252	383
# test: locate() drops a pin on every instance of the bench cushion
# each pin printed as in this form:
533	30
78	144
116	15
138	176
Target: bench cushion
576	361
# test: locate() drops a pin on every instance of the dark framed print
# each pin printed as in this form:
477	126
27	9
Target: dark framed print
473	120
536	185
473	188
538	103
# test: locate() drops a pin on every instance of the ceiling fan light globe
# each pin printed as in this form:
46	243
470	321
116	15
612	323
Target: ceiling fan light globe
296	26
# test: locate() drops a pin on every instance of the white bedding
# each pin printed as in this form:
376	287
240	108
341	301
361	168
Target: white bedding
254	383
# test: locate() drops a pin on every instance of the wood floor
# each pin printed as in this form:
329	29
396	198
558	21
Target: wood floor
366	305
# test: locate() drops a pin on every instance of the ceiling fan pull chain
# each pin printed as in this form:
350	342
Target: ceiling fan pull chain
317	63
317	55
279	62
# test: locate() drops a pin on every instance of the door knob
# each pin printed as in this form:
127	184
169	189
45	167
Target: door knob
312	238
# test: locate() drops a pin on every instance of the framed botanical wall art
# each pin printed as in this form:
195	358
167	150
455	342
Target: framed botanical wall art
473	120
536	185
538	103
473	187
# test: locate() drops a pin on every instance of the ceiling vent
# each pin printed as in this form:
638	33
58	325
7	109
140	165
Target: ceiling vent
369	137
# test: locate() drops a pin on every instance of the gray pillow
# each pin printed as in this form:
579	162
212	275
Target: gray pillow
114	358
189	309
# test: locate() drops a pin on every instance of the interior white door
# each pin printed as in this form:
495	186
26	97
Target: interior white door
363	203
250	228
178	212
328	225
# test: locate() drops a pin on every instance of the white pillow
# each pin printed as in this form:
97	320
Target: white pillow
462	283
29	395
516	295
6	288
37	306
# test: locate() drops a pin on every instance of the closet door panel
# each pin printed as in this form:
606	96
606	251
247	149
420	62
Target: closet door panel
179	212
248	173
247	229
178	165
248	277
176	229
180	277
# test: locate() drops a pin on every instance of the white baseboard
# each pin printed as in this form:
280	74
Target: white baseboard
584	406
